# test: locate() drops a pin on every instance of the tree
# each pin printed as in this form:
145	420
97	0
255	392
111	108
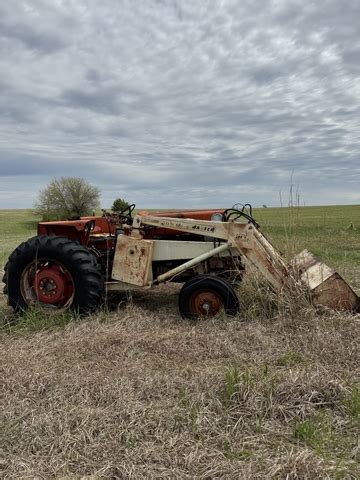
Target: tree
119	205
67	197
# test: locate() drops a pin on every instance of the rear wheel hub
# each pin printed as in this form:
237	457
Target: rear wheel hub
47	282
51	285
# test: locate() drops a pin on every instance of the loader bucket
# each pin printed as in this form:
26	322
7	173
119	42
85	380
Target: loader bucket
326	286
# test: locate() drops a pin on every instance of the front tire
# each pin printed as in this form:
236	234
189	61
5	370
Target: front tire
53	272
206	296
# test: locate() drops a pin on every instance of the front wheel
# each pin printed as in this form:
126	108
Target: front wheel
55	273
206	296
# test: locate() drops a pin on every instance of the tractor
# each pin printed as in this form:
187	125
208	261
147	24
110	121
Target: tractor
72	264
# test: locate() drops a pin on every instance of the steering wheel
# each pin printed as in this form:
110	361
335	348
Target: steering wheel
125	214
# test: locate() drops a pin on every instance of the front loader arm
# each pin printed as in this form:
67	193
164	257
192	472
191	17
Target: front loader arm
324	284
245	237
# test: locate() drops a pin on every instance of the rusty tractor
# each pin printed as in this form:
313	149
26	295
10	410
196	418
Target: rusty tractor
72	264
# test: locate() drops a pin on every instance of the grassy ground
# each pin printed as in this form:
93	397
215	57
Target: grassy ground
16	226
135	392
331	233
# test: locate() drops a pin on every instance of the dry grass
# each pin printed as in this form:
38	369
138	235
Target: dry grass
139	393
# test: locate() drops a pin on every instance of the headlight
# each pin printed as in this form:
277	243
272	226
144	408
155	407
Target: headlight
216	217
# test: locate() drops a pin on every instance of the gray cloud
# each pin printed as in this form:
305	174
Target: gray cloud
174	104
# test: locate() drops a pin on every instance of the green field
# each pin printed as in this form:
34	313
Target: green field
16	226
331	233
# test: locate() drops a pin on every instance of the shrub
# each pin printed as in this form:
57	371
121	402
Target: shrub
119	205
67	197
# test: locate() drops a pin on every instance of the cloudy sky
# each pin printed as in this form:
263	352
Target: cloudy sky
171	103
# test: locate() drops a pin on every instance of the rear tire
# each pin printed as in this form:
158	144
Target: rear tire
206	296
53	272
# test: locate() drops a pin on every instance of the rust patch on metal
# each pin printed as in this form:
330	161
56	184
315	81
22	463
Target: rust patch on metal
132	260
